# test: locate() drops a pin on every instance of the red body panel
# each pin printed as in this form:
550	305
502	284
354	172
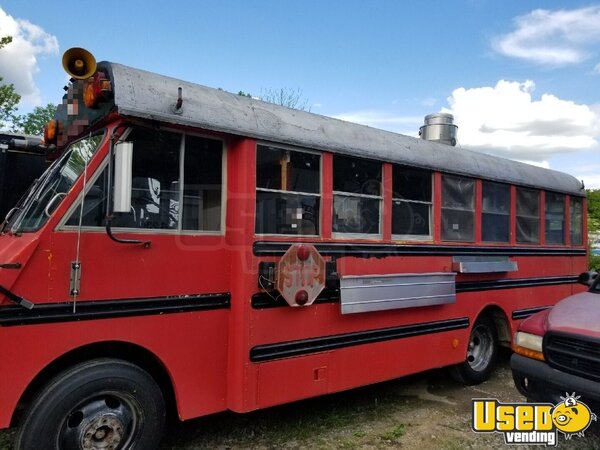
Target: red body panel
207	353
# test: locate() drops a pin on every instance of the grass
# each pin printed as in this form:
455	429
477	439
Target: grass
395	433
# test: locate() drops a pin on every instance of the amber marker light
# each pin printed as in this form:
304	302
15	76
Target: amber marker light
96	89
51	131
529	345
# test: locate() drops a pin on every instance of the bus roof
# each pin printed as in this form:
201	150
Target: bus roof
142	94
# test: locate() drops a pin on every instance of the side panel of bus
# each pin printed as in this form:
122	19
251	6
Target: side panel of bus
295	353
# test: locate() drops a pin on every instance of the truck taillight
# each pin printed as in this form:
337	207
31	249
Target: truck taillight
96	89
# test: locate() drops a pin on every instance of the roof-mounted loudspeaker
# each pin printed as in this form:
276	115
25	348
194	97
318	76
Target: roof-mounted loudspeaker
79	63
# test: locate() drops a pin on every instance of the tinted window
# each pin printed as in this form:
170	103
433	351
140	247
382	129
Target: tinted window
528	216
495	212
156	192
356	195
576	221
411	204
555	218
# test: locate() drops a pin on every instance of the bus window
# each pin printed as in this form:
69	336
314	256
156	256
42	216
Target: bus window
156	186
576	221
202	184
495	212
528	216
411	210
555	218
458	208
356	196
288	191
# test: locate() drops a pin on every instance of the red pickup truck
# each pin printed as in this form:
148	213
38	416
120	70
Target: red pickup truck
558	350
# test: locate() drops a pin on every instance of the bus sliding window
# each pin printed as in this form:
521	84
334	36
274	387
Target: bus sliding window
356	196
288	191
495	212
576	210
458	208
555	218
528	216
411	207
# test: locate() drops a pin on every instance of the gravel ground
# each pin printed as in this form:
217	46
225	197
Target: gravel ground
422	412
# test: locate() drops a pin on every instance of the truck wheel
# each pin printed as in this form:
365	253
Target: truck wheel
98	404
482	353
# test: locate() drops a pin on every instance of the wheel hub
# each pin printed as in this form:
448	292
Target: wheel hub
480	348
102	432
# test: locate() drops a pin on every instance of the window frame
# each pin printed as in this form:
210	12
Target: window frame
414	237
366	236
63	227
318	195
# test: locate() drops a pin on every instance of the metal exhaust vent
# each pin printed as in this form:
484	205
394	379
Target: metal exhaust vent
439	127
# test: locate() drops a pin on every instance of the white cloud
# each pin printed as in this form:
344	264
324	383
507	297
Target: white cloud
18	60
553	37
507	121
597	68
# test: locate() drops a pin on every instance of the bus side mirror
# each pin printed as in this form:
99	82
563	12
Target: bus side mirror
587	278
123	176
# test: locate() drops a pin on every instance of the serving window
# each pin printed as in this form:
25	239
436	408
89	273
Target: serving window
357	196
458	209
288	191
411	202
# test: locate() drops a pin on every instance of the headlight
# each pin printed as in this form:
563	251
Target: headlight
529	345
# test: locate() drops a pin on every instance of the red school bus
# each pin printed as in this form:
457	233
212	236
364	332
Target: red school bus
191	251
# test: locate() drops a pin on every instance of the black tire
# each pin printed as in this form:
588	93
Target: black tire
482	353
98	402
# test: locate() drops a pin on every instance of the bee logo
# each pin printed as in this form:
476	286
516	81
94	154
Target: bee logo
571	416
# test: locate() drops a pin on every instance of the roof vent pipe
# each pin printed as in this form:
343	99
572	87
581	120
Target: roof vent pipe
439	127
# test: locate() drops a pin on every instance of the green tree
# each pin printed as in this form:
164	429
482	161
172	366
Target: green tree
593	199
8	96
34	122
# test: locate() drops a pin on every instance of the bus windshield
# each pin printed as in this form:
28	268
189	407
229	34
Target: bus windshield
54	185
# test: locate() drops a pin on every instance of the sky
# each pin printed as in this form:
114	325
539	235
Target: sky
521	77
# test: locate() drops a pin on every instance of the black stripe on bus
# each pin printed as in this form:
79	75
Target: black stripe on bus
108	309
262	300
519	314
268	352
339	249
488	285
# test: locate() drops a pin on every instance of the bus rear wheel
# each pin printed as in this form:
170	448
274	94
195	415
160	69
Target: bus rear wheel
99	404
482	353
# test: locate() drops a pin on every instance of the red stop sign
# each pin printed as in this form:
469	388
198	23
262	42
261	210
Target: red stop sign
301	275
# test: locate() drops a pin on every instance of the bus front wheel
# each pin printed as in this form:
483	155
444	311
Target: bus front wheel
102	403
482	352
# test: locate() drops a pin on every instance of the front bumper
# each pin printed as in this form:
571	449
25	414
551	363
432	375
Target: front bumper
539	382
